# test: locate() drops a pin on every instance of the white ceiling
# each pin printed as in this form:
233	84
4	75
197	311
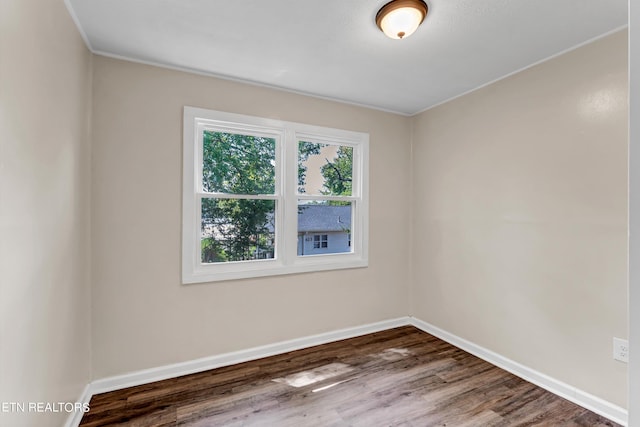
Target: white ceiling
333	49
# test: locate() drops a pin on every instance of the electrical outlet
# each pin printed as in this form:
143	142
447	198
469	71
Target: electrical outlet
621	350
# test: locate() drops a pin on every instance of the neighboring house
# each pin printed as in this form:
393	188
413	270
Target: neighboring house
324	229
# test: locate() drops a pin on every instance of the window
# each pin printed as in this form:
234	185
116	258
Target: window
264	197
320	241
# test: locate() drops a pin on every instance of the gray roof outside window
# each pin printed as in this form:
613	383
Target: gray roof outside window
318	218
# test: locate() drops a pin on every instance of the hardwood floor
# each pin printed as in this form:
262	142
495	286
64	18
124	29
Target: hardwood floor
399	377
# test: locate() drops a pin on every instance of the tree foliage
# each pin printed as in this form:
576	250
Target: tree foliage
238	164
338	173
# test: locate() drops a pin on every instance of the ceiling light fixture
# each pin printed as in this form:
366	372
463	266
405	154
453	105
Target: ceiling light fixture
398	19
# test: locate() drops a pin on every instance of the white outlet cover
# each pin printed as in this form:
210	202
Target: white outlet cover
621	350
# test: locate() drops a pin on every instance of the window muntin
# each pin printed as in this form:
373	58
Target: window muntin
235	163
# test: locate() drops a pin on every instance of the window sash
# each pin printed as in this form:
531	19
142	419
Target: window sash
223	127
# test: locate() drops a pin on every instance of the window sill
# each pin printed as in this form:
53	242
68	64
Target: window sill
253	269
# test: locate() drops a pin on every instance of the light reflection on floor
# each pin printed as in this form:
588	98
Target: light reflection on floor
332	370
326	387
312	376
392	354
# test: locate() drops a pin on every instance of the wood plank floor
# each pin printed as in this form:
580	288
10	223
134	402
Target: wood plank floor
399	377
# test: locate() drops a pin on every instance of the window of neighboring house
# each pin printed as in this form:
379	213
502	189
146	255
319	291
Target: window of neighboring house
253	188
320	241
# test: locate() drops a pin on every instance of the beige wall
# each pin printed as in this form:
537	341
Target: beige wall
520	219
142	316
45	89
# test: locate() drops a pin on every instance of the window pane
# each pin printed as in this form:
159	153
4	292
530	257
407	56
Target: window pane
324	227
238	164
237	230
324	169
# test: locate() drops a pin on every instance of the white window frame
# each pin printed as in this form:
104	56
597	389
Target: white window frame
286	196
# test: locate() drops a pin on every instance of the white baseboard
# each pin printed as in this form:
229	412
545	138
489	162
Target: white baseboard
75	417
579	397
595	404
190	367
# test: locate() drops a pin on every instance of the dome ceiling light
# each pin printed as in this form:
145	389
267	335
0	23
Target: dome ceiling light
398	19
